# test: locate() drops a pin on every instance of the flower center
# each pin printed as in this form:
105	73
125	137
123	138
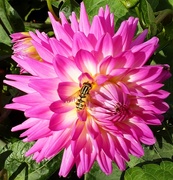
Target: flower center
83	95
120	112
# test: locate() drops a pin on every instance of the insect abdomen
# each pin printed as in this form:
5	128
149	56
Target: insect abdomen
81	101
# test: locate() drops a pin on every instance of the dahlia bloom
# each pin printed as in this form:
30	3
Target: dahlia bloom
92	95
23	47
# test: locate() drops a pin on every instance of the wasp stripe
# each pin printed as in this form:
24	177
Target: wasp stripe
81	101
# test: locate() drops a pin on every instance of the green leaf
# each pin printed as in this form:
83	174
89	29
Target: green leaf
10	18
148	17
134	161
20	167
151	171
153	3
117	8
69	6
56	3
96	174
130	3
163	147
3	157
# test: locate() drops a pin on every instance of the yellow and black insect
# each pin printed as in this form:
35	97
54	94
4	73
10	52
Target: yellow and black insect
83	93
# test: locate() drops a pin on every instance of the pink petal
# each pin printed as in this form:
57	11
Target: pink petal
26	124
66	69
104	162
140	39
135	147
82	114
60	48
80	41
92	127
144	51
78	144
145	74
35	67
78	128
46	87
67	162
37	146
97	28
107	65
86	62
86	159
20	82
43	52
107	20
39	111
68	91
66	25
61	107
74	22
37	131
17	106
63	120
84	24
60	31
59	141
29	99
126	33
119	161
105	46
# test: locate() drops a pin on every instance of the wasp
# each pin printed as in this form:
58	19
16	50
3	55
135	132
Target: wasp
83	93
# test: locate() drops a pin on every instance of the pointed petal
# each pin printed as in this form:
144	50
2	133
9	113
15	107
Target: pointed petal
74	22
78	144
80	41
97	28
29	99
20	82
26	124
104	162
60	48
17	106
105	46
46	87
125	34
143	52
39	111
84	24
37	68
43	52
60	31
66	25
67	162
140	39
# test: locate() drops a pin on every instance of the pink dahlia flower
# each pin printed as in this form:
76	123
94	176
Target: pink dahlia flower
92	95
23	47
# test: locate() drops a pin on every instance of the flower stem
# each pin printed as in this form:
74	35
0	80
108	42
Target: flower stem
161	15
49	5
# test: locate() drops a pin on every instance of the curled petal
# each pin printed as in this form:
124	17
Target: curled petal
66	69
86	62
68	91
